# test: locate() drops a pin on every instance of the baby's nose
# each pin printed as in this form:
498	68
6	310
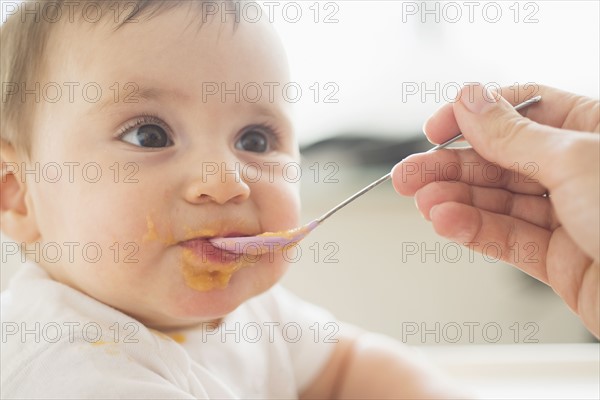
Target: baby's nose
219	183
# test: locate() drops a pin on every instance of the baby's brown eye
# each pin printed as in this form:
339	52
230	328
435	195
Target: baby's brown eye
148	136
253	140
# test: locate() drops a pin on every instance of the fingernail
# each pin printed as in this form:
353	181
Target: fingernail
417	205
433	211
424	125
431	117
478	99
423	213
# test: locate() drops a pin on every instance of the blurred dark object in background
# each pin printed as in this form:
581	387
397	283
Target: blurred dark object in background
368	151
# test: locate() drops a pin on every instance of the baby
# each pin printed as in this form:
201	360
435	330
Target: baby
122	154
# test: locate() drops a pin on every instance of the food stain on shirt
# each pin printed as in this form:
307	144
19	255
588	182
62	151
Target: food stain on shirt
109	347
177	336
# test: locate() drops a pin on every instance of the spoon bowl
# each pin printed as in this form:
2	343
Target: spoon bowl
265	242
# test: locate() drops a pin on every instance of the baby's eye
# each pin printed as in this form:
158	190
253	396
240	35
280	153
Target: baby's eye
148	135
254	140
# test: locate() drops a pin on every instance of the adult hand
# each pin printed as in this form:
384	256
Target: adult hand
530	184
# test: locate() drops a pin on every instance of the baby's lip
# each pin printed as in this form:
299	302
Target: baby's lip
207	237
206	252
233	234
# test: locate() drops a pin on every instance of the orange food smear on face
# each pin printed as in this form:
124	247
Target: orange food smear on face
198	274
151	234
205	276
195	233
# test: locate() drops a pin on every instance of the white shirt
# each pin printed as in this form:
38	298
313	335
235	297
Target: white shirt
60	343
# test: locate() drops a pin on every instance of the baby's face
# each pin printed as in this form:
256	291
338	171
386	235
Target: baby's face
167	148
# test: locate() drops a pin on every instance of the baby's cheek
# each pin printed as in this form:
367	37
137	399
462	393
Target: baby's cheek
115	222
280	205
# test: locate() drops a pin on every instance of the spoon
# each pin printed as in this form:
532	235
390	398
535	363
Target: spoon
270	241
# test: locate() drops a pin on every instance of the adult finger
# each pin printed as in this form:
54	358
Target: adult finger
557	109
533	209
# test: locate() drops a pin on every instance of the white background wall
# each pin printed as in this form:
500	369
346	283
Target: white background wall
377	51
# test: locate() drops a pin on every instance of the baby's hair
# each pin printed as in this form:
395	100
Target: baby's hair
26	32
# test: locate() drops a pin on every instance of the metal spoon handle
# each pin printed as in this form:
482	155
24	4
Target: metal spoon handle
389	174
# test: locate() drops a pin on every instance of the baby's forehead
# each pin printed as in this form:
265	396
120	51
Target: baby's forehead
119	12
104	21
170	46
117	16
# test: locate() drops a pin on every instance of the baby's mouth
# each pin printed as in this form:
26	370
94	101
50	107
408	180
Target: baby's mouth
206	267
206	253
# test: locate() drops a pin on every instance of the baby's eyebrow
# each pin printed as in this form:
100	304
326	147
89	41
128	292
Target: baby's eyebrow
132	92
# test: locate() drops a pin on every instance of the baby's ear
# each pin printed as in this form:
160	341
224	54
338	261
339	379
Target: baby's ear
17	219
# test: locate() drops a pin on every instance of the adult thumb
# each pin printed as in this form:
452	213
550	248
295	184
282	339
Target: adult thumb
501	135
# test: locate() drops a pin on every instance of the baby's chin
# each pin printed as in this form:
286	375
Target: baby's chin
190	306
